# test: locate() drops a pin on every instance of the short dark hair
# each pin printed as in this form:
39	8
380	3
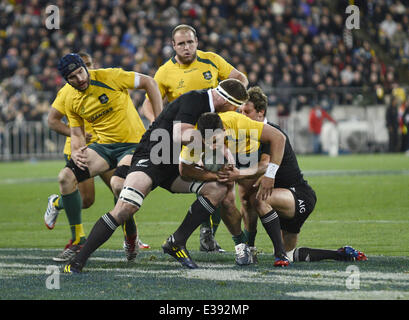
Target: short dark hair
209	120
184	27
235	88
258	98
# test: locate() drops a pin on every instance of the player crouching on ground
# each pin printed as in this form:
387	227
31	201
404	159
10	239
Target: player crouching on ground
292	198
245	136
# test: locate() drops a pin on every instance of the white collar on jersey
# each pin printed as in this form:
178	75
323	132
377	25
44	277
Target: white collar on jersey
209	92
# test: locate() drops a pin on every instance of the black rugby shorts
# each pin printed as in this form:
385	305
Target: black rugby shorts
305	200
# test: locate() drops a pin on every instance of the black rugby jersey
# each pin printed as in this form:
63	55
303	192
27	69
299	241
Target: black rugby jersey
289	173
186	109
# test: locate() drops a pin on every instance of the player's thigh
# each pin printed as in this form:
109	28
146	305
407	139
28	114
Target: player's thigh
183	185
96	163
140	181
246	192
282	200
247	210
126	160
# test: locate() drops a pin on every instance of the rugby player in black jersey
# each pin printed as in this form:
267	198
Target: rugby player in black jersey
153	165
292	199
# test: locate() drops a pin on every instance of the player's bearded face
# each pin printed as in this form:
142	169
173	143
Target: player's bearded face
79	79
185	45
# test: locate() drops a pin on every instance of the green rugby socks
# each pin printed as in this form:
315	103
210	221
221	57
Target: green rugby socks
73	204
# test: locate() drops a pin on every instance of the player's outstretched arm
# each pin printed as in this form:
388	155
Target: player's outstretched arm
192	171
276	141
236	74
155	99
148	110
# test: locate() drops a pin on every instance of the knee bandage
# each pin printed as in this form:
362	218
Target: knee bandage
132	196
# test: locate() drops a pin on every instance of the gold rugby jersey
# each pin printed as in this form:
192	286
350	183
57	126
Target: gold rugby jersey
107	106
242	136
205	72
59	104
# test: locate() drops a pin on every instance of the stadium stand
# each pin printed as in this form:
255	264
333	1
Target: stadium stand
298	51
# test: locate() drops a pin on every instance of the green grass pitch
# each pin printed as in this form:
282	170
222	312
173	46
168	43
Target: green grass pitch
363	201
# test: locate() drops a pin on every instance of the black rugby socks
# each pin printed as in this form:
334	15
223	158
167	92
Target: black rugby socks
311	255
199	211
271	223
100	233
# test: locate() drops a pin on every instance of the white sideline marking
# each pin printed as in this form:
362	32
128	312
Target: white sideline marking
351	295
215	272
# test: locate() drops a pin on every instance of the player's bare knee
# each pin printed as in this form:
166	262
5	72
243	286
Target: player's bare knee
67	180
116	185
129	202
245	203
122	212
229	200
215	192
260	206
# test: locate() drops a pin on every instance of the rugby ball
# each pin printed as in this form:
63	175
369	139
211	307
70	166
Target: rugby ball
212	162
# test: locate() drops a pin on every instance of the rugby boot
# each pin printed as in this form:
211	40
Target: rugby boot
180	253
51	213
281	261
348	253
243	254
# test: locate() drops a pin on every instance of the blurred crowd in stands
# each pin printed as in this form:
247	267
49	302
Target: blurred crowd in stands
298	51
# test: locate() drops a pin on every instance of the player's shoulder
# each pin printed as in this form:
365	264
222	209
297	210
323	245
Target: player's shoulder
170	63
66	92
206	54
233	115
274	125
230	119
65	89
169	67
104	72
229	114
210	57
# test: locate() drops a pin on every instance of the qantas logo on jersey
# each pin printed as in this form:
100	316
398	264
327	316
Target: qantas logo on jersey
99	115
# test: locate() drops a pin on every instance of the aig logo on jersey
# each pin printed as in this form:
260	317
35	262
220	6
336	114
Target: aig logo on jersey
207	75
103	98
